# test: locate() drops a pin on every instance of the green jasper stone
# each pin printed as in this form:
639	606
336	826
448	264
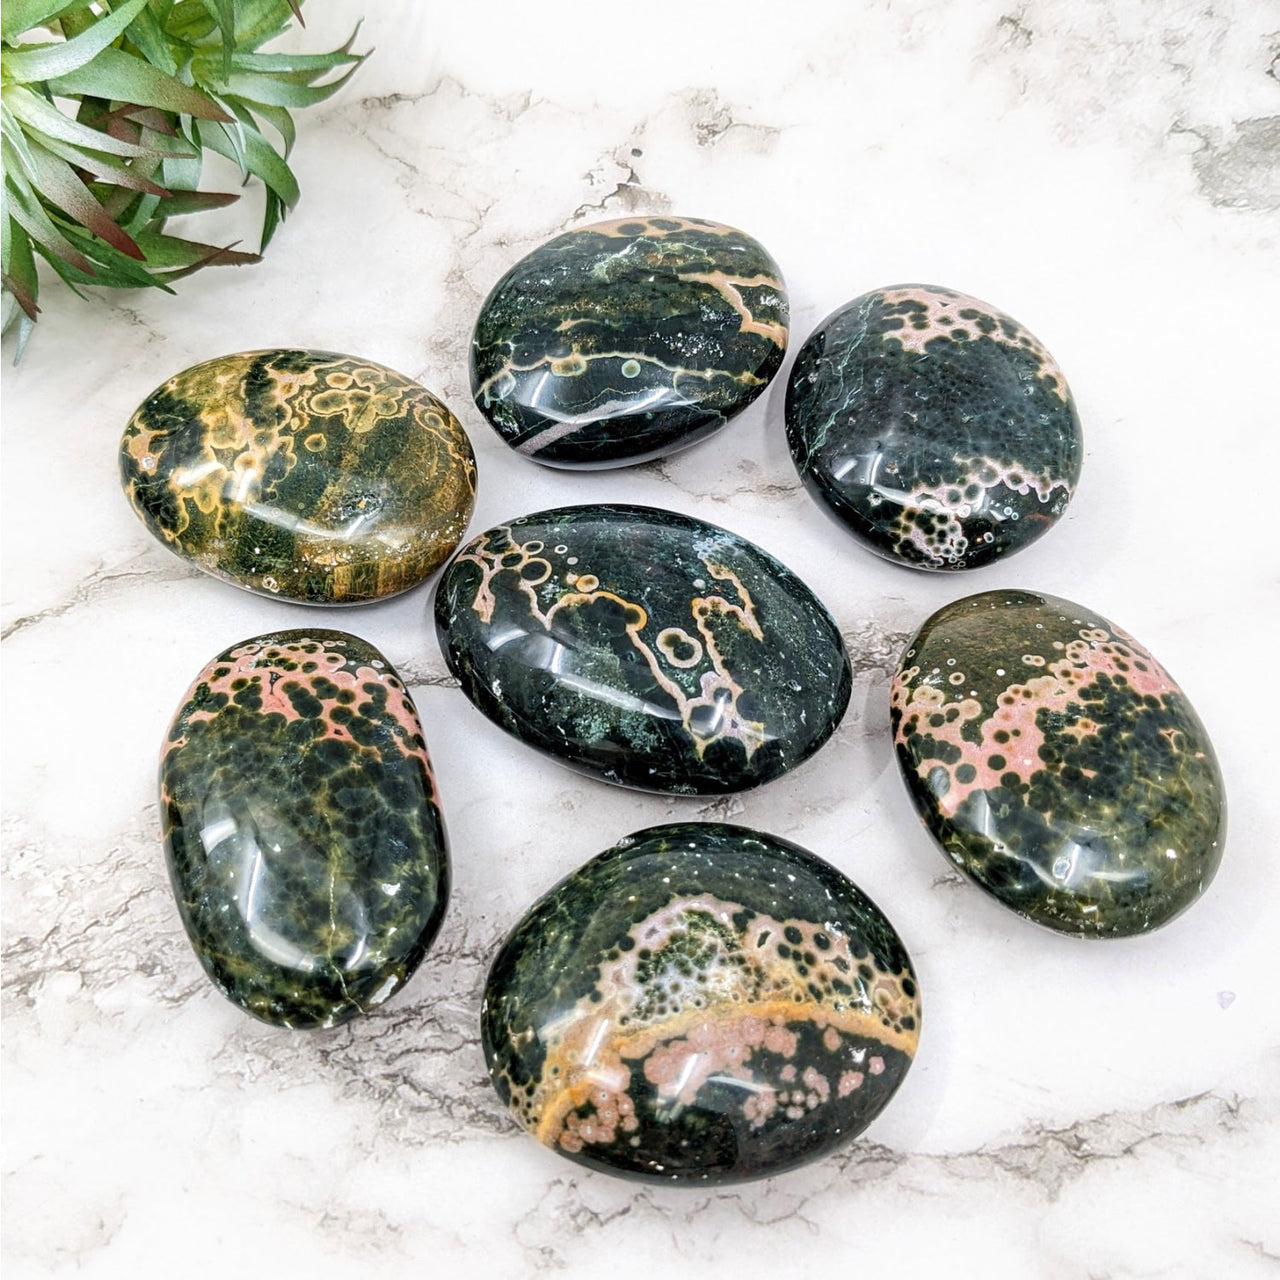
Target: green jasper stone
320	478
628	340
700	1003
1058	764
302	827
643	647
933	427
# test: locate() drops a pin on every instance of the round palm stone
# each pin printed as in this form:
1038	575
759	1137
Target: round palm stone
933	427
700	1003
320	478
1058	764
302	827
628	340
643	647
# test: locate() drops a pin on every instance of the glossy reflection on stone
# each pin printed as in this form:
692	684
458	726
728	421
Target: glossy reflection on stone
628	340
302	827
316	477
1057	764
933	427
644	647
700	1003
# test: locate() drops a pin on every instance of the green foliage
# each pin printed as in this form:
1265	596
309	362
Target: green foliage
103	128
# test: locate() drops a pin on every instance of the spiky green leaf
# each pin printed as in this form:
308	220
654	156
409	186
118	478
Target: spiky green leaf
257	156
49	61
155	88
118	77
139	216
59	184
34	111
223	13
181	173
281	121
20	272
13	145
31	217
20	16
257	21
22	208
108	168
188	255
278	63
110	266
147	34
276	91
179	202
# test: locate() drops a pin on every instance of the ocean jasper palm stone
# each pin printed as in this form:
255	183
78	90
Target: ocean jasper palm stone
302	827
644	647
1058	764
628	340
700	1003
934	427
315	477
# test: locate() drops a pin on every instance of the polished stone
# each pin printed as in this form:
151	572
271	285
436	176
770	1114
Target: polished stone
700	1003
644	647
933	427
628	340
1057	764
302	827
315	477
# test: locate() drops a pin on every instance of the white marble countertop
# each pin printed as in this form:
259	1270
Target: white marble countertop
1108	172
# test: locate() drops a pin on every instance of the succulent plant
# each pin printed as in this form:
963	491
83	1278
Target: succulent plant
107	108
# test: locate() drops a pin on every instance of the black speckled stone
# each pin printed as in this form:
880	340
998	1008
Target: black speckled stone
701	1003
643	647
315	477
1057	764
303	831
934	427
628	340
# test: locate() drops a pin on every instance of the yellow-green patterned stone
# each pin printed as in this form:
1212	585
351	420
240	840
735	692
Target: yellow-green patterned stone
320	478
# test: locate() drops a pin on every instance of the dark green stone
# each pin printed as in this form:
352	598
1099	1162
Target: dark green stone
700	1003
315	477
628	340
1057	764
643	647
933	427
302	827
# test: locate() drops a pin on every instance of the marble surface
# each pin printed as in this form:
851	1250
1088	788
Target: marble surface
1109	173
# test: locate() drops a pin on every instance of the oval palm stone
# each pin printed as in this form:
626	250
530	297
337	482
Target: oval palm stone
702	1003
1057	764
320	478
628	340
644	647
302	827
933	427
